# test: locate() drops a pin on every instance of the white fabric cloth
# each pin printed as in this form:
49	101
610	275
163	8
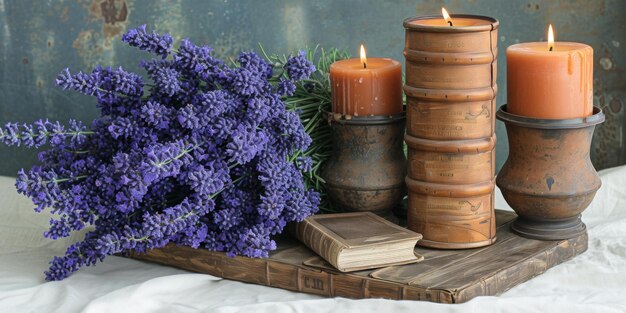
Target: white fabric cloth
592	282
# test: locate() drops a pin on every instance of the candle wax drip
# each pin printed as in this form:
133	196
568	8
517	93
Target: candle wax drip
553	85
570	70
366	88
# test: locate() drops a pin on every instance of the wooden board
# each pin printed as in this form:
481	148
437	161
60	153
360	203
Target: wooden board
446	276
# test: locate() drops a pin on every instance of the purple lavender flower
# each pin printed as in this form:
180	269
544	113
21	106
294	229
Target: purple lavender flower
252	61
276	107
214	103
122	128
154	65
258	109
193	236
123	82
301	205
245	143
77	255
156	115
286	87
151	42
248	83
304	164
299	67
10	134
272	204
255	242
188	117
167	81
273	172
221	127
115	90
41	132
226	219
295	136
208	179
163	160
81	82
198	61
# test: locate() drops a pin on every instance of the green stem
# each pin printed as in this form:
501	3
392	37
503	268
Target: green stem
234	182
180	155
56	181
78	151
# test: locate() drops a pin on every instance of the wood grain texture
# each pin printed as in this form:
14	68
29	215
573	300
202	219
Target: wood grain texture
444	276
450	91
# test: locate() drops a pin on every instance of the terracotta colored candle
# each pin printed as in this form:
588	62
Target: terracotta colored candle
363	87
555	84
460	20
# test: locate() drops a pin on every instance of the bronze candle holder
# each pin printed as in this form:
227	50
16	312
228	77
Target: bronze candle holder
367	168
450	92
548	178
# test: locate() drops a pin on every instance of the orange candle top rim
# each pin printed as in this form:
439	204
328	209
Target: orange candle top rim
372	64
535	47
491	24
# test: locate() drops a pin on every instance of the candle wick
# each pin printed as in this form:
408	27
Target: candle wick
450	23
364	65
551	47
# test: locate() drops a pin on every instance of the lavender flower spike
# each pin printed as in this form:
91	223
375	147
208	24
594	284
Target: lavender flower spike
151	42
298	67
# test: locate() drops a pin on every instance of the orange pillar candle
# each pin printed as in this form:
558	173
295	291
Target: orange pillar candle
551	80
364	87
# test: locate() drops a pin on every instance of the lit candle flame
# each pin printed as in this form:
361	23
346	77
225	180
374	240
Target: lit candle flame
550	38
363	57
446	16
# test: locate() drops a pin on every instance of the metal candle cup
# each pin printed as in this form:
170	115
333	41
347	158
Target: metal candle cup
367	168
450	90
548	178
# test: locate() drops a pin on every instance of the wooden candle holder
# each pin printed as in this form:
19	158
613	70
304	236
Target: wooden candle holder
450	90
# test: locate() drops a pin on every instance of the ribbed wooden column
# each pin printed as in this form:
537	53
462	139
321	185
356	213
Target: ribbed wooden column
451	89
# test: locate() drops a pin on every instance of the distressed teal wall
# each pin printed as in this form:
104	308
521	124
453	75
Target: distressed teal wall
40	38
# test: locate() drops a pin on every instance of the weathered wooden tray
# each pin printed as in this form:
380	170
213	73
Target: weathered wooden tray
446	276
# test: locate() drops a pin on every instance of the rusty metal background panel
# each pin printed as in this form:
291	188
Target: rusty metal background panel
40	38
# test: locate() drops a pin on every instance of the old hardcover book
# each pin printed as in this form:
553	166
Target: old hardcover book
357	241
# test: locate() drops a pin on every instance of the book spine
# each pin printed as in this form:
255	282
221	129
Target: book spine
321	243
289	276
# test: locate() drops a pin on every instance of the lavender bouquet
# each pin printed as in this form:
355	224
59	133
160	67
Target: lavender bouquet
207	156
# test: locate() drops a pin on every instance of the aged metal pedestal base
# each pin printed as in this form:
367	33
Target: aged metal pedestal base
552	230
